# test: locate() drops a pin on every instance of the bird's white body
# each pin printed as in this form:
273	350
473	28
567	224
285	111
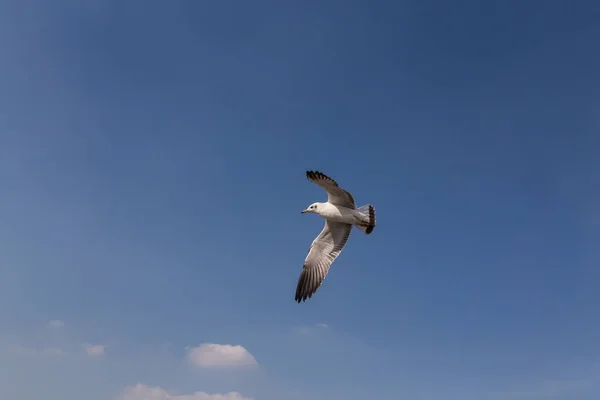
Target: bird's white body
332	212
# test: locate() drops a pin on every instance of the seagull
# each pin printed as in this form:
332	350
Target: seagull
341	214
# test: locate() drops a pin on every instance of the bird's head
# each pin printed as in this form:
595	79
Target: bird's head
312	208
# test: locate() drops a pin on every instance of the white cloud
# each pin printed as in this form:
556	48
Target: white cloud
94	350
29	352
144	392
56	323
210	355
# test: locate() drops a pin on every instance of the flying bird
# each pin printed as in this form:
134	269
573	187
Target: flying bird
341	214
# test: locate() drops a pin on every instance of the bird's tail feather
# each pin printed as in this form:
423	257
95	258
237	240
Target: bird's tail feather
368	213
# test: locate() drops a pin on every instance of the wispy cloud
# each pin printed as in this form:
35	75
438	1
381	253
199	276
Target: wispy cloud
311	329
94	350
550	389
145	392
31	352
67	345
56	323
211	355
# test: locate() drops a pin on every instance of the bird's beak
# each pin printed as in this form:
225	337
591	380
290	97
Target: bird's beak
303	211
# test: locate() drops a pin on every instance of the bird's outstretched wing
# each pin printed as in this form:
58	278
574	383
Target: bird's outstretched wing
335	194
323	251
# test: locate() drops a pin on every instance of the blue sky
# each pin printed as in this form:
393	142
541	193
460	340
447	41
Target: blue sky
152	161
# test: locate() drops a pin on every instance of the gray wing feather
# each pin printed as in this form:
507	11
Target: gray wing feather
323	251
335	194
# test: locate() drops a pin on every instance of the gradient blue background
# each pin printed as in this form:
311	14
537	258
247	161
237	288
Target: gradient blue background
152	160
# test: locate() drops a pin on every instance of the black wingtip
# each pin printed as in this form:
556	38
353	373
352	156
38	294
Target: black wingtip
318	175
305	288
299	298
372	220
